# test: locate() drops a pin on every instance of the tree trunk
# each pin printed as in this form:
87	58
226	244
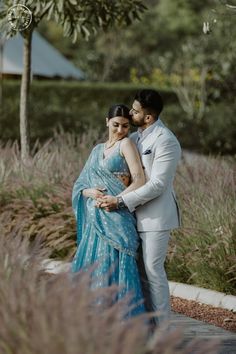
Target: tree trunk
1	72
24	98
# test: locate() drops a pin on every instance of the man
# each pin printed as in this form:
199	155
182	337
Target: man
155	204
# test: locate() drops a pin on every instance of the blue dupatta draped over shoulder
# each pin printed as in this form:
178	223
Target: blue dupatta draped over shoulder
107	239
118	228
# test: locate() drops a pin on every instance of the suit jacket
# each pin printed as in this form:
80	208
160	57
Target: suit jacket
155	203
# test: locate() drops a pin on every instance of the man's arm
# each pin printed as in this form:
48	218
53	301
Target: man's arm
162	172
130	152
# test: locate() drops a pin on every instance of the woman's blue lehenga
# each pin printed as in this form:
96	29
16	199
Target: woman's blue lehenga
107	240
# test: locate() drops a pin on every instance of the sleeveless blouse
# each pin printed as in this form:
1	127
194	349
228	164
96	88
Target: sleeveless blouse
115	162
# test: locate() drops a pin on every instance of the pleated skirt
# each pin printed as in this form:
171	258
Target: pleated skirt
109	266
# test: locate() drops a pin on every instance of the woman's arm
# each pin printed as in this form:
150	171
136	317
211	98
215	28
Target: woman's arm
131	155
93	193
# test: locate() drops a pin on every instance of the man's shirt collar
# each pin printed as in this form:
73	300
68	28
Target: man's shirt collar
143	133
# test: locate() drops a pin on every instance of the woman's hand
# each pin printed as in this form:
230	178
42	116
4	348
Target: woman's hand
108	202
93	193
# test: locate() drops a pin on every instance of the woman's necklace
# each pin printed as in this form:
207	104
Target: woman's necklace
111	144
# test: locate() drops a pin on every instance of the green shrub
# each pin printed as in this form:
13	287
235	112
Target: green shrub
76	107
72	105
215	134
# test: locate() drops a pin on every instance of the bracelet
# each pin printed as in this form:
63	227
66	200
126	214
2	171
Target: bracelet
120	202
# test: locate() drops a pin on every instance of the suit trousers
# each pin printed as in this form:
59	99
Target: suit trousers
154	280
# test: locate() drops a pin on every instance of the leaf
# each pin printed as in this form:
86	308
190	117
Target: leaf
56	16
85	32
47	7
73	2
37	8
66	27
50	12
100	21
60	5
74	36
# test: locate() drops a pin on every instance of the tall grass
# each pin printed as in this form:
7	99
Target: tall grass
58	315
203	251
37	196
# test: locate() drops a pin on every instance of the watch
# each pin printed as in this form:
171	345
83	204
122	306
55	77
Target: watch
120	203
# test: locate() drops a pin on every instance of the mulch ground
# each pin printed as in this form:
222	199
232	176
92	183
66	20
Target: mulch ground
206	313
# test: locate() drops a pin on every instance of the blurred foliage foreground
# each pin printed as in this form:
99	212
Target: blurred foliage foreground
35	201
78	106
60	315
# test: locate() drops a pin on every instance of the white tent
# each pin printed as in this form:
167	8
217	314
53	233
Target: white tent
46	60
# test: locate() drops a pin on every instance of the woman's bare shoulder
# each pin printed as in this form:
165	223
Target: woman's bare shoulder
127	146
127	141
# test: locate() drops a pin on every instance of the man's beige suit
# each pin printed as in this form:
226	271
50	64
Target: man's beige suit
155	202
156	210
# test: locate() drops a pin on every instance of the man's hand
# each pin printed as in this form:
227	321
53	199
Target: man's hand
108	202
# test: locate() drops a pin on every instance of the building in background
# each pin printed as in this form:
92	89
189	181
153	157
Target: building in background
47	62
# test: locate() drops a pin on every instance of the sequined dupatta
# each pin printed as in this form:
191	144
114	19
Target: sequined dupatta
118	227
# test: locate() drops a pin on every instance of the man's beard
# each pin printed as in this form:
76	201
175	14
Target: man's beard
138	123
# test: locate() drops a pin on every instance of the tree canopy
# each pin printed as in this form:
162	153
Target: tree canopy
76	17
169	35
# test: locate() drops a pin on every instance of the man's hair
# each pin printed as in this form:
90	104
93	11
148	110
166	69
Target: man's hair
151	101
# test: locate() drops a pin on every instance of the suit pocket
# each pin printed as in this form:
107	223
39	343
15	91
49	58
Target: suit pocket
147	152
147	157
147	161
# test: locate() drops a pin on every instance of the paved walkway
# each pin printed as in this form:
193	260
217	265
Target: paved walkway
194	328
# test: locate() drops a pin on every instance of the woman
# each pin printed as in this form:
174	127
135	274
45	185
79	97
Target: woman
109	240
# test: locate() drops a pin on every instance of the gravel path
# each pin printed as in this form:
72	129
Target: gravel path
219	317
